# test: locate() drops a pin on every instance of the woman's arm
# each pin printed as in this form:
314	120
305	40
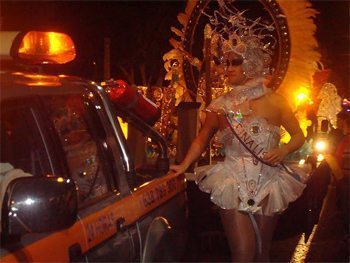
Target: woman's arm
211	125
291	124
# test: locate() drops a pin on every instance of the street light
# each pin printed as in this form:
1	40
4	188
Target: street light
302	95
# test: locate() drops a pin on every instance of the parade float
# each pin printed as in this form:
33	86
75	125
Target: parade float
296	73
193	76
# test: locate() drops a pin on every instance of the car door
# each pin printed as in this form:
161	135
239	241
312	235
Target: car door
163	221
27	148
94	162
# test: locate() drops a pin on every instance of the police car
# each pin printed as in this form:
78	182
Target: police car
72	188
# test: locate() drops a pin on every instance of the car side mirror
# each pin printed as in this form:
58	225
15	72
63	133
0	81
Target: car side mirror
37	204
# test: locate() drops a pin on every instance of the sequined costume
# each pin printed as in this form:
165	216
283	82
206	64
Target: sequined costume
241	181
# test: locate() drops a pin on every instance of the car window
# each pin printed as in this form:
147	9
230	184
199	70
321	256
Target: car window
22	143
144	152
83	139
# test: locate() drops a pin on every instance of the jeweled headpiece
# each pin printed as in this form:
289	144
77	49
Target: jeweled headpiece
251	39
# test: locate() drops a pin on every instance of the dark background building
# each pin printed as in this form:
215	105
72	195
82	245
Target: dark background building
139	32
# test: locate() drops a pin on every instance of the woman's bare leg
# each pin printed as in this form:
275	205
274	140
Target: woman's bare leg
240	234
266	225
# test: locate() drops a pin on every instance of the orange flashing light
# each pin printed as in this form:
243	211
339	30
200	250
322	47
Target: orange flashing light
47	47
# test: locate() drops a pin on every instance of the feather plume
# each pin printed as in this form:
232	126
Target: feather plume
304	55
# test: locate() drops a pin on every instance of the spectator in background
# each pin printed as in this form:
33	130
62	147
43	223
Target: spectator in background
336	135
342	155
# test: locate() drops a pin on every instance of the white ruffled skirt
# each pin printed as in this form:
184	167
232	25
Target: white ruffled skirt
224	182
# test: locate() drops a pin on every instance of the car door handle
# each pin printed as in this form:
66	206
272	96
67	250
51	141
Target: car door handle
120	224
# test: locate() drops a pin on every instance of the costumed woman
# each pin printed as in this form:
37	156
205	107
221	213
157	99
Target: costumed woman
251	186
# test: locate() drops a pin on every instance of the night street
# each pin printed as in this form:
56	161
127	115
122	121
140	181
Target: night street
327	242
174	131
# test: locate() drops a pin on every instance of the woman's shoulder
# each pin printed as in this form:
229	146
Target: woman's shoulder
218	104
276	95
277	99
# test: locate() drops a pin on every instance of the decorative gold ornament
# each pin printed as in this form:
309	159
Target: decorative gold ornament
330	103
297	56
303	54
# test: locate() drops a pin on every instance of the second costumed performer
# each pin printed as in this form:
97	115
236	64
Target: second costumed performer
252	186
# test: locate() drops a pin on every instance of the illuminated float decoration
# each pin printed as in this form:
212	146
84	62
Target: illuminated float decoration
295	58
293	64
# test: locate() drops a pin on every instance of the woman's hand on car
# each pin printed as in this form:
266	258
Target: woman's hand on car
178	168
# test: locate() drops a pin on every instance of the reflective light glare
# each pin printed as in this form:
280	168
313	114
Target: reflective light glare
302	95
302	248
17	73
123	126
302	161
60	179
39	80
320	146
320	157
29	201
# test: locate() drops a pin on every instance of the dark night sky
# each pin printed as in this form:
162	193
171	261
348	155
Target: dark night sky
140	30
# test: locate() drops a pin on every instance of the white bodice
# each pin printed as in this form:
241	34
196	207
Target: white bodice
242	182
263	133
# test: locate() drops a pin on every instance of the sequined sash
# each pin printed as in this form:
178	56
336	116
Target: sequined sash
254	148
246	140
